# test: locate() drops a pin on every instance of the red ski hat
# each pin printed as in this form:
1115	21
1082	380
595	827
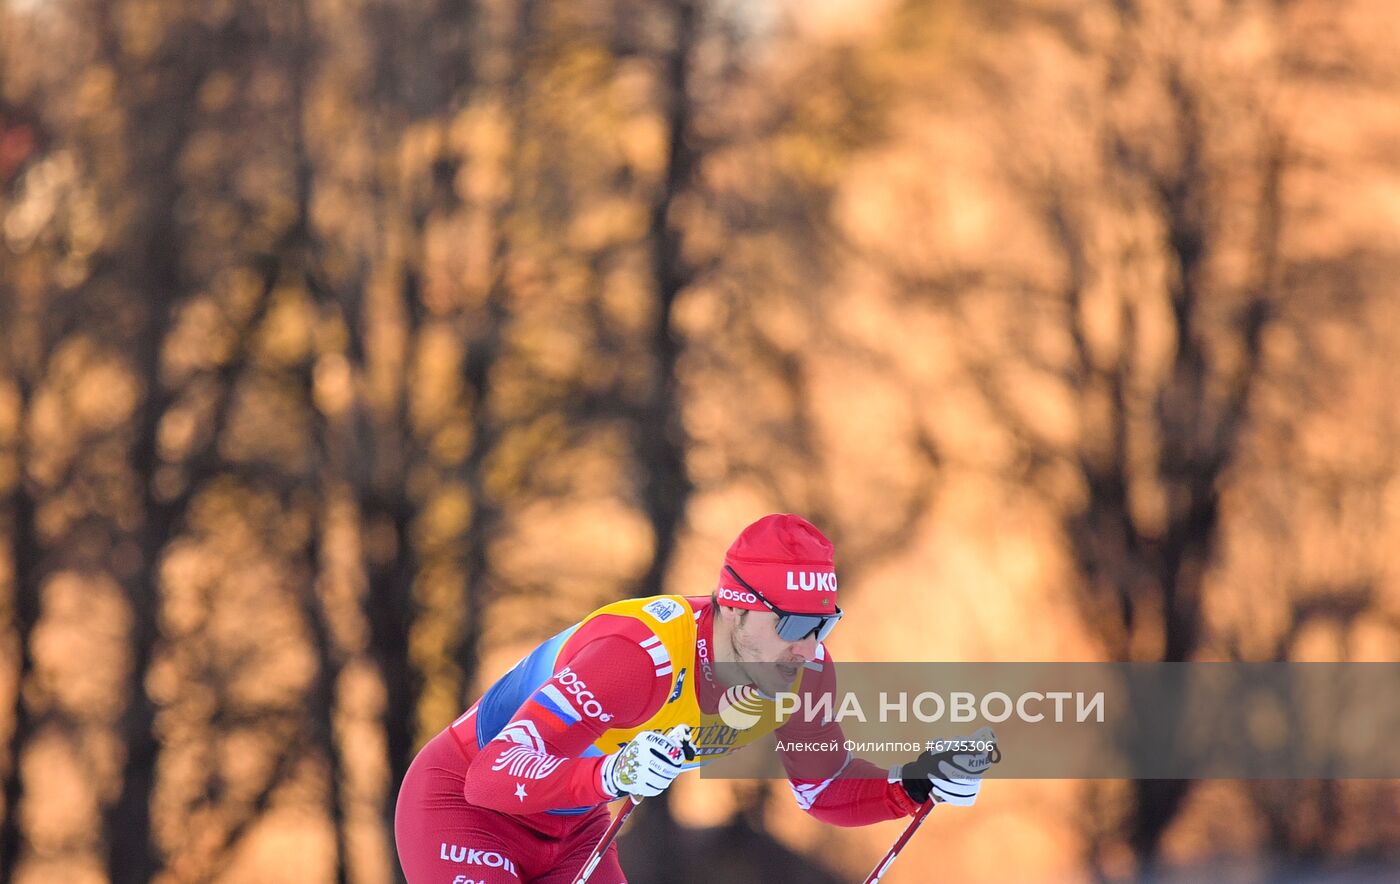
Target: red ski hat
787	560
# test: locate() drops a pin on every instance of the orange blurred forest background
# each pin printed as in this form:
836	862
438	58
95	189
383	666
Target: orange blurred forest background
350	347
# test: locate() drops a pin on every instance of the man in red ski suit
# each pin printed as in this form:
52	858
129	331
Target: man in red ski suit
516	790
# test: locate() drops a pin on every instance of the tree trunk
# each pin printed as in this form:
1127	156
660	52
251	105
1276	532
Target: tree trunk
659	431
27	607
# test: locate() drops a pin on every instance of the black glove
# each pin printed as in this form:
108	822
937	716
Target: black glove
953	775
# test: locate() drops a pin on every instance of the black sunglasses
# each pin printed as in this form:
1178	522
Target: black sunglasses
793	627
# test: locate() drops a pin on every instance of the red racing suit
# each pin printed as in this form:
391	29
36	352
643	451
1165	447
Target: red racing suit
512	790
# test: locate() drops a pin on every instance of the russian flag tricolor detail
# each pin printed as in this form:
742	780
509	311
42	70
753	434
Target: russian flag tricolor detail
554	702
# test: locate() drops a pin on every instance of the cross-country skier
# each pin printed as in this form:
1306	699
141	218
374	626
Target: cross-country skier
516	789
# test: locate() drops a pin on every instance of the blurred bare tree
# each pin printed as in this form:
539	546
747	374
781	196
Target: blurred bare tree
345	346
26	346
1124	323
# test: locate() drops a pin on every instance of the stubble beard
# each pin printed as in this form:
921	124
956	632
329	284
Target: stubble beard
769	676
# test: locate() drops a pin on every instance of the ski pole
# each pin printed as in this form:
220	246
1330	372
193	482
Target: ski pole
993	757
680	733
909	831
606	841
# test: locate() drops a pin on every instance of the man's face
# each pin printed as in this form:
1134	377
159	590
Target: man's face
769	662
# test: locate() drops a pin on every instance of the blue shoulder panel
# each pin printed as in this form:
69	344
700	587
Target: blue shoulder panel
504	698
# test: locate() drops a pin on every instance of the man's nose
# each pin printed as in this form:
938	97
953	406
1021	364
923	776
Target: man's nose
806	648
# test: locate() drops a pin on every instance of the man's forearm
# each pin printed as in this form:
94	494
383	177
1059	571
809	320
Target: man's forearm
858	795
